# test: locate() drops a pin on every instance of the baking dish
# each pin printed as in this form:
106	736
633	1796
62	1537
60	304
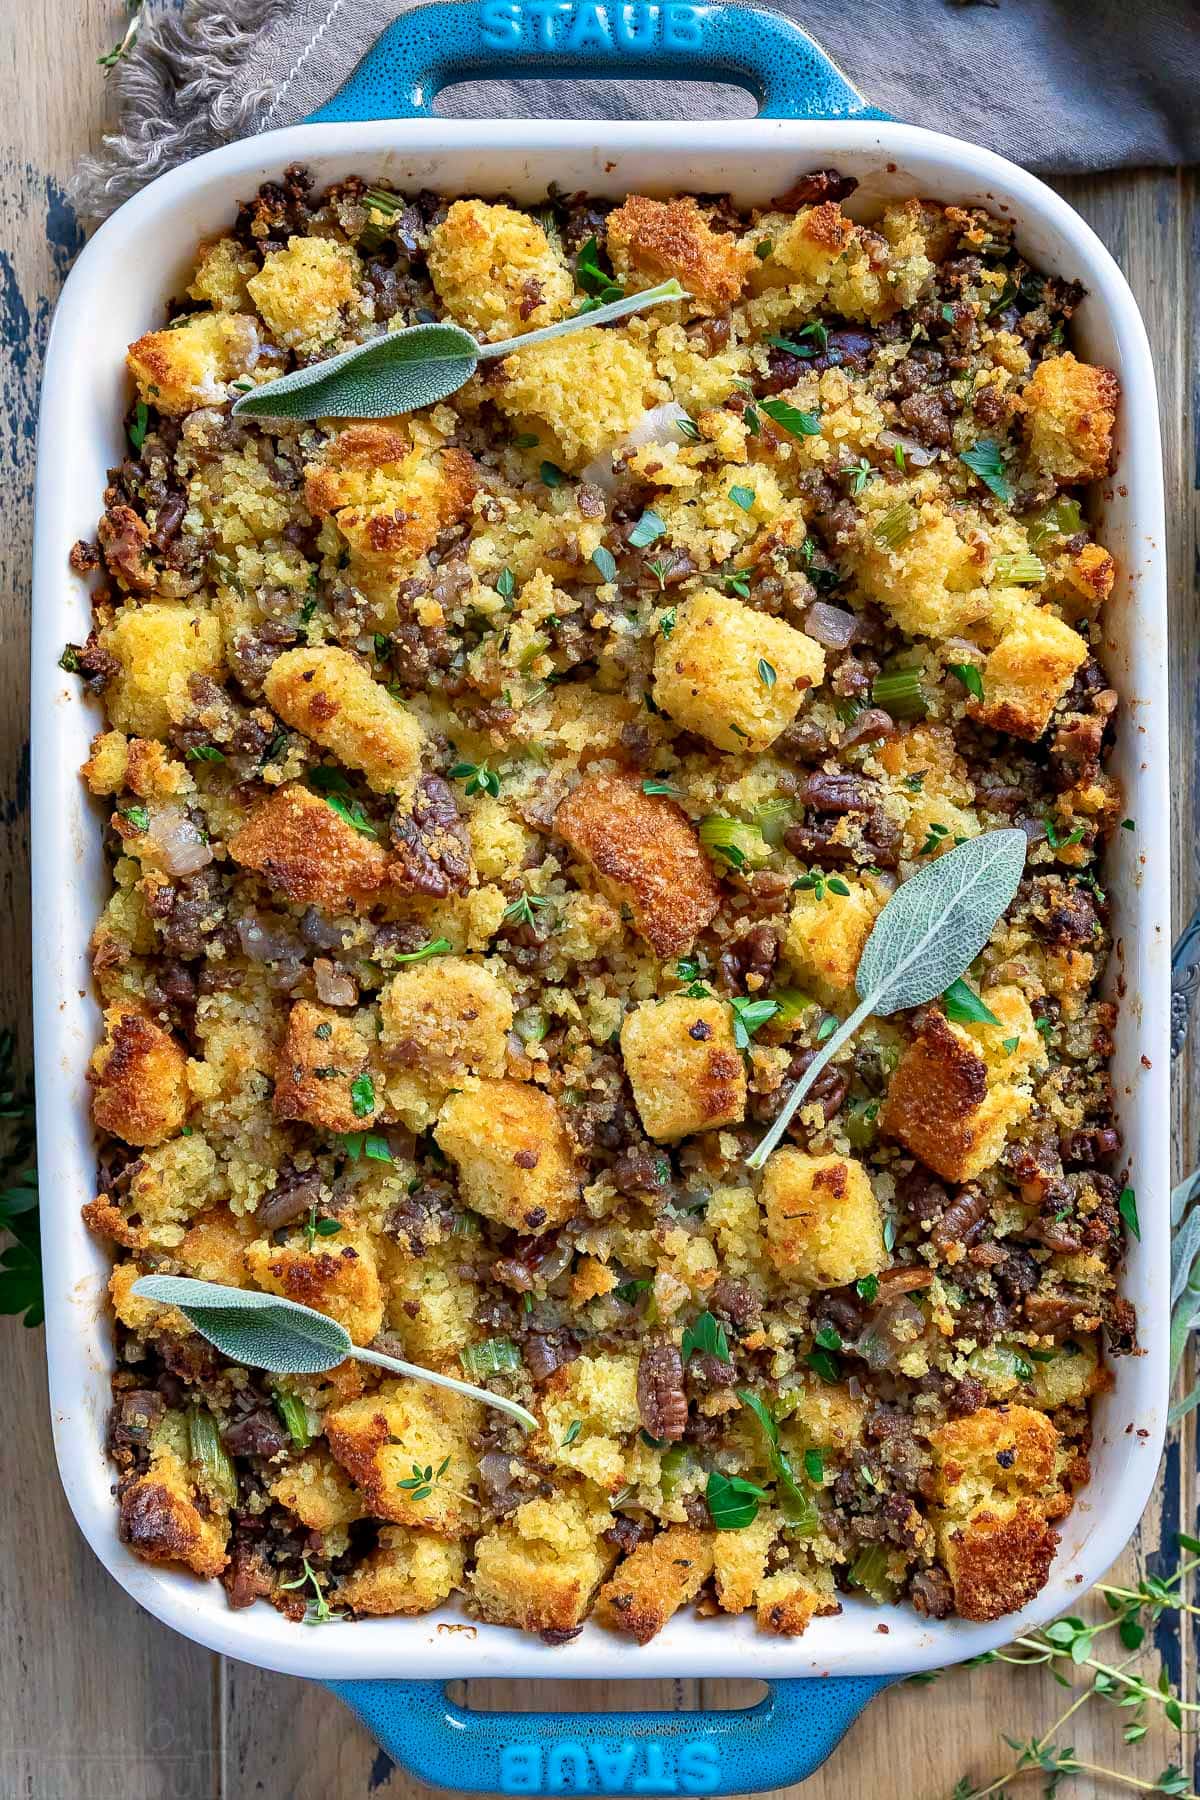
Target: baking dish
391	1670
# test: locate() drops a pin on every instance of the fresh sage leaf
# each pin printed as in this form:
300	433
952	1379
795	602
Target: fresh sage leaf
401	371
924	940
262	1331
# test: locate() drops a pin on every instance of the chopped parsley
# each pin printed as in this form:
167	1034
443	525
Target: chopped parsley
204	753
551	475
600	286
605	562
732	1502
138	426
963	1006
791	419
1127	1207
435	947
750	1016
743	497
766	672
985	461
506	585
648	530
656	785
362	1096
970	677
137	816
521	910
705	1336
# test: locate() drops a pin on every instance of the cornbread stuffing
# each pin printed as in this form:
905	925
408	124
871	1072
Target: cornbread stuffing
500	797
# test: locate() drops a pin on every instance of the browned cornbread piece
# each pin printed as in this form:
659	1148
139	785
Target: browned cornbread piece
646	855
787	1603
664	238
539	1570
655	1582
390	498
304	851
1028	672
1070	411
190	365
335	700
683	1066
410	1572
996	1487
378	1439
513	1154
824	1227
320	1059
338	1276
940	1107
139	1079
161	1520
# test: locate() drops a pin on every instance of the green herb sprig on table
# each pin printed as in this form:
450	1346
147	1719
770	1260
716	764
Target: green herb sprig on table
1068	1647
264	1332
20	1259
924	940
400	371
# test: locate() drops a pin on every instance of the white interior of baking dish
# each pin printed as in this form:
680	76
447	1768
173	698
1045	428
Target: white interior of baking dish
116	292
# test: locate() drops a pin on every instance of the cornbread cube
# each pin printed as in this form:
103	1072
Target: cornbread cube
513	1154
332	698
788	1602
646	855
139	1079
1013	1047
807	246
168	1186
447	1018
655	1581
994	1452
160	647
431	1305
214	1248
713	673
389	498
651	240
997	1560
539	1570
935	824
1069	1378
824	938
189	366
222	271
383	1437
410	1572
929	580
587	390
1028	673
321	1059
683	1065
338	1276
823	1222
594	1402
496	272
316	1490
168	1516
142	765
306	852
940	1107
1091	572
740	1561
823	1413
300	291
1070	411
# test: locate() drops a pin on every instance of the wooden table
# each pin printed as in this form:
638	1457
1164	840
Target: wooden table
100	1702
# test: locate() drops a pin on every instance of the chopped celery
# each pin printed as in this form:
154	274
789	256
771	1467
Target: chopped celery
899	692
1062	518
773	819
862	1123
895	526
869	1571
734	840
1020	571
207	1453
999	1367
494	1356
793	1004
672	1469
294	1414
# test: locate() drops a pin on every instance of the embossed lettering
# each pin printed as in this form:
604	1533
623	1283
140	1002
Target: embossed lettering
658	1778
613	1763
500	24
680	27
590	28
520	1768
541	14
699	1768
636	25
567	1768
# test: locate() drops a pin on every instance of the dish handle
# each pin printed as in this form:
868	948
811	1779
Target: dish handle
774	1744
472	40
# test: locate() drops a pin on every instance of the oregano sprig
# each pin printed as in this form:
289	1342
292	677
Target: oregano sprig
401	371
924	940
265	1332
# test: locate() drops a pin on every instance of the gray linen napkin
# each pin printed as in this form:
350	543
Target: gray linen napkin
1053	85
